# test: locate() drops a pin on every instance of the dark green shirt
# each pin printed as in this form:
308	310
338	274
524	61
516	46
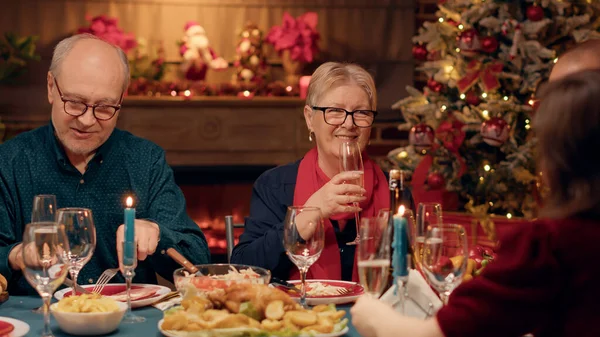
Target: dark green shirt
35	163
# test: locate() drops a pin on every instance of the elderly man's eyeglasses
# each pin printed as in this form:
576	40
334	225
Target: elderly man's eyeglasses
102	112
337	116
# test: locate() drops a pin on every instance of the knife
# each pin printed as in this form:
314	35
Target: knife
78	288
285	284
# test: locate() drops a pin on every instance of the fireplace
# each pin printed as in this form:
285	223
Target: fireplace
211	193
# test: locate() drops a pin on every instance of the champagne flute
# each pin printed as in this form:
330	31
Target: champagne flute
44	208
351	161
445	254
428	213
79	227
374	255
45	263
303	239
129	262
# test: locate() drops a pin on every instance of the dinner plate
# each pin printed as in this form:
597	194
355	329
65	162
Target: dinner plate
116	288
356	290
20	328
233	332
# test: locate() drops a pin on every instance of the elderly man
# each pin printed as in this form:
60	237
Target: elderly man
82	159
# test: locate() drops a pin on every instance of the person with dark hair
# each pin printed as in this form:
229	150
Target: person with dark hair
544	279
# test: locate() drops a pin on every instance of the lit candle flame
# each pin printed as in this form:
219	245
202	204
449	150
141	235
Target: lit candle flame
401	210
129	202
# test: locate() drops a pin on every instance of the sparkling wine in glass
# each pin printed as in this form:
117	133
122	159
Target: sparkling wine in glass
427	214
78	224
374	254
351	161
44	208
303	239
45	264
444	259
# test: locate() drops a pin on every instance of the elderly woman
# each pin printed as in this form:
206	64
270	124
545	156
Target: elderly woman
545	279
340	107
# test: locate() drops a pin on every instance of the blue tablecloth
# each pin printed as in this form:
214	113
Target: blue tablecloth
19	307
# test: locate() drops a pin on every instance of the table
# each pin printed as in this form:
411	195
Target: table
19	307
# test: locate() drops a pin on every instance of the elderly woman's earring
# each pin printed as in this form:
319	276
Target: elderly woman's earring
310	136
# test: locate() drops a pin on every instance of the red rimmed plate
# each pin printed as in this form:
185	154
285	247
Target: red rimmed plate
355	290
141	294
13	327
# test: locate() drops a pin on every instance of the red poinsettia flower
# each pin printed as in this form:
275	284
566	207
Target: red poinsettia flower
298	35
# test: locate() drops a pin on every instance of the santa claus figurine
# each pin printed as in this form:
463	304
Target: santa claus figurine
197	54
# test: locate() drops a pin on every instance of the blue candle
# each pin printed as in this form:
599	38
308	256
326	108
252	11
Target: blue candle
400	245
128	253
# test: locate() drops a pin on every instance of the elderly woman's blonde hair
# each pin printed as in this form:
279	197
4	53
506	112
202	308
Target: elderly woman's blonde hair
332	74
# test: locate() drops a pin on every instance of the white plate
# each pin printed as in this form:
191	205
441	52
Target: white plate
113	288
233	332
21	328
356	291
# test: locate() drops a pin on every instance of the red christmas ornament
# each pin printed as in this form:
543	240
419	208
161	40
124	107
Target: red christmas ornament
419	52
495	131
468	42
472	98
435	180
535	13
434	85
489	44
421	136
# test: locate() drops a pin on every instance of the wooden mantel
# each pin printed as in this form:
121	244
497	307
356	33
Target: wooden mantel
207	131
220	130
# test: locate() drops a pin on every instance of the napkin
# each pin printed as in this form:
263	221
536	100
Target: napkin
419	297
164	305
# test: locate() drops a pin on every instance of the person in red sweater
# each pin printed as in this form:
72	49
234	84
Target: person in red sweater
545	280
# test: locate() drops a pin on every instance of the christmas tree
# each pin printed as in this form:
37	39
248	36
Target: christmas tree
470	126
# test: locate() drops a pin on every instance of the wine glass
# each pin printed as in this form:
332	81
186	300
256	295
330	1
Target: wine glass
79	227
444	259
44	208
351	161
428	213
45	263
129	262
303	239
373	258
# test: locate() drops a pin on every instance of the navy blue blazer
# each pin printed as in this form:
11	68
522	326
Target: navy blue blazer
261	244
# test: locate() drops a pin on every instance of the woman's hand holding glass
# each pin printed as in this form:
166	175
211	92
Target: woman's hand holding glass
45	261
337	196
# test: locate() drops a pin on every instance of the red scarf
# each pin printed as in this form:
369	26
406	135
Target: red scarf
309	180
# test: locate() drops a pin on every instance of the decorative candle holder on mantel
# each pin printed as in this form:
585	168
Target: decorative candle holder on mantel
293	69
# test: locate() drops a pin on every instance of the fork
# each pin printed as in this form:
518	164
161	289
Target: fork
106	276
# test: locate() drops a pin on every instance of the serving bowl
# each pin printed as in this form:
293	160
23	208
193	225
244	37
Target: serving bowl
211	277
88	323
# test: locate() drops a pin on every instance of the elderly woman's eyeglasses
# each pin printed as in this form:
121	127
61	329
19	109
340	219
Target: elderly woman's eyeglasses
102	112
337	116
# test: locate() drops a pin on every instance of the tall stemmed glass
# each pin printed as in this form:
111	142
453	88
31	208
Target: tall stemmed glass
80	230
427	214
303	239
351	161
44	260
129	262
444	260
374	254
44	208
